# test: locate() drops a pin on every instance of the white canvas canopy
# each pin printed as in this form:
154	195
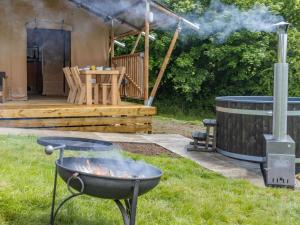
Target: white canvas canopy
130	14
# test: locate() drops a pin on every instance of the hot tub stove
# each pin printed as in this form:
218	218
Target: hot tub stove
256	128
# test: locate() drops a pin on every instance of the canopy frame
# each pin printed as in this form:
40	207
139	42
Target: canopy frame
132	29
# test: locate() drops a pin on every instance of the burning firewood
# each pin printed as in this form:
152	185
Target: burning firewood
98	170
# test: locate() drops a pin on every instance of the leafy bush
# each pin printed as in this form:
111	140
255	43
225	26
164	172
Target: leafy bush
200	70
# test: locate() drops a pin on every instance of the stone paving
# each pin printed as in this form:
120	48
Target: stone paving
216	162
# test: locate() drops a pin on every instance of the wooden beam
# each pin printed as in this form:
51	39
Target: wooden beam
128	56
133	83
164	65
165	10
170	13
73	111
146	57
130	128
129	33
74	122
136	43
133	27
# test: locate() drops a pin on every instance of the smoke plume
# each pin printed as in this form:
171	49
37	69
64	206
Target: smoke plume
221	20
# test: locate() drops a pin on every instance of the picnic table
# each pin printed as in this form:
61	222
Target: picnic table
114	74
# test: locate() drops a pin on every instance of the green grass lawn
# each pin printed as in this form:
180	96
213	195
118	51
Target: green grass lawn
193	121
187	194
177	115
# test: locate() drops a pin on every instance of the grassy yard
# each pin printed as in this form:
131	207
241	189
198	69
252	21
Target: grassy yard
187	194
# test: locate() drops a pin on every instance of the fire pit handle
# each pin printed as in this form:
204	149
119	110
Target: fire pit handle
49	149
75	176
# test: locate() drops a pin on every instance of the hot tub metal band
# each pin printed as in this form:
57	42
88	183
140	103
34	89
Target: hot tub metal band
242	157
254	113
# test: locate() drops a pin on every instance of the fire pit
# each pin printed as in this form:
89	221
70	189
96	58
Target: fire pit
115	179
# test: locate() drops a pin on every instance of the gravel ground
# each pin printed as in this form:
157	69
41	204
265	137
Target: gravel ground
162	126
145	149
175	127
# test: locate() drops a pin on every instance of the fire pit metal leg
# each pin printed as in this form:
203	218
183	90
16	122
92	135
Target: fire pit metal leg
73	195
129	210
127	204
134	202
53	198
124	211
63	202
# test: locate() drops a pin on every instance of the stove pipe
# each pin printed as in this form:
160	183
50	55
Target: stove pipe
280	101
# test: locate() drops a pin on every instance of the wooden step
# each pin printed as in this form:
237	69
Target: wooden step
123	118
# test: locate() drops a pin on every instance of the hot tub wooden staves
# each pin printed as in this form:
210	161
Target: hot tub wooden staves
242	121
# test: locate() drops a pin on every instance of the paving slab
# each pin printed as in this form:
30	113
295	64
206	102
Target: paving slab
216	162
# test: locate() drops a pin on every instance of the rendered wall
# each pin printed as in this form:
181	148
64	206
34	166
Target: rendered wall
89	37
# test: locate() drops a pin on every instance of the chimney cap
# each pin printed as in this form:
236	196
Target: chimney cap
282	26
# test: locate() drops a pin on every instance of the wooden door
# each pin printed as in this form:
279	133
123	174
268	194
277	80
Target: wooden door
54	59
54	54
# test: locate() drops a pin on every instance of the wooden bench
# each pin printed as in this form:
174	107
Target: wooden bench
205	141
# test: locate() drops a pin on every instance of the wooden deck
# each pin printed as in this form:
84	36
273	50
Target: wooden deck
47	113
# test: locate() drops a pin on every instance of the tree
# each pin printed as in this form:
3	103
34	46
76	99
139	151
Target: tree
243	65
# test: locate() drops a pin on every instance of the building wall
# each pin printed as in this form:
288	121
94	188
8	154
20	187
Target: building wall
89	36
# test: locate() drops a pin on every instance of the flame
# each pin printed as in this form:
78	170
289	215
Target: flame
99	170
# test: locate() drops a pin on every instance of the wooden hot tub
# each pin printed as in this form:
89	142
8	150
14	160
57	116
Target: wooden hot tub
242	121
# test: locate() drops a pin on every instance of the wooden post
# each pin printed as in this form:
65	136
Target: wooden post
89	88
136	43
164	65
146	54
114	89
112	43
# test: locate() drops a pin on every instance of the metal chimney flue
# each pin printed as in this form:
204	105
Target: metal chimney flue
280	105
279	146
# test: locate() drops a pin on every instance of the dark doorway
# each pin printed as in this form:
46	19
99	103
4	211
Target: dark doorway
48	51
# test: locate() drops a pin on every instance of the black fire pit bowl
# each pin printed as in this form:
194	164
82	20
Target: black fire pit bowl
109	187
120	180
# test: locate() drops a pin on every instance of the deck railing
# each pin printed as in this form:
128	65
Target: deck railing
133	85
